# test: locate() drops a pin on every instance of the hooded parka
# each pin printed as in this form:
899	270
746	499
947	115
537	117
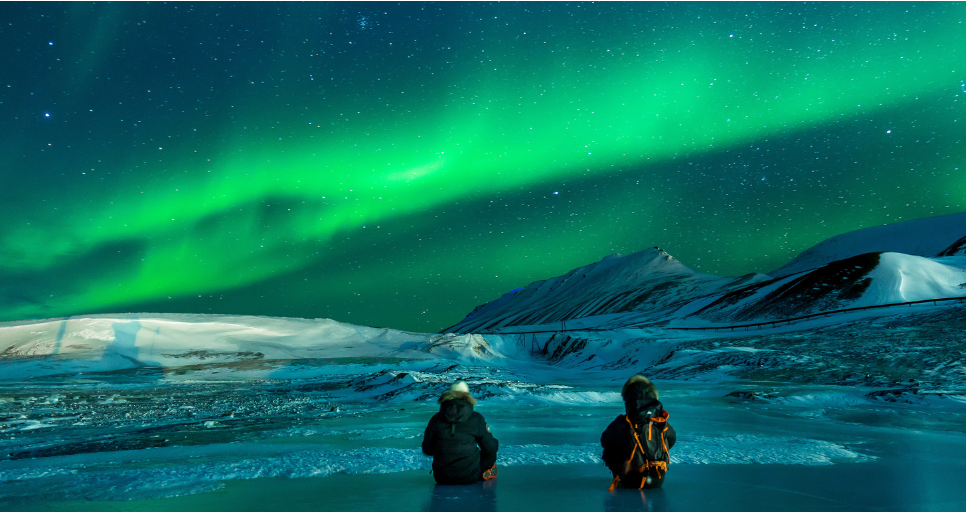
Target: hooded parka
459	440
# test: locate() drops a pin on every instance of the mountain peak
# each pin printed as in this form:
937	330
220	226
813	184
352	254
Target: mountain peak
649	278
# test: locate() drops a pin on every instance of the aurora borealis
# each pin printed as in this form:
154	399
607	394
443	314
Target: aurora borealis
397	164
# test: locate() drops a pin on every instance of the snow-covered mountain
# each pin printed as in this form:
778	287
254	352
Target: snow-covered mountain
865	280
958	248
211	344
929	237
647	280
917	260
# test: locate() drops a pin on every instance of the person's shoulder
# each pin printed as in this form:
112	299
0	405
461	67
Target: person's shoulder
479	424
477	419
617	423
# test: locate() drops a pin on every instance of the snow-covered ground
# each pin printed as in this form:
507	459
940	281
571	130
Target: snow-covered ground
144	407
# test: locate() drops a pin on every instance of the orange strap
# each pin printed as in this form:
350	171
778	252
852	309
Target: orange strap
613	483
637	439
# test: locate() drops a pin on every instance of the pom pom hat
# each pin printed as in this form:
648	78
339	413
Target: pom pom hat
458	391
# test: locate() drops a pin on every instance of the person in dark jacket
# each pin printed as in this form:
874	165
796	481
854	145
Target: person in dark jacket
459	440
636	443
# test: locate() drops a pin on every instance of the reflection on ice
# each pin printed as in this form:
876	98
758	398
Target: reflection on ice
465	498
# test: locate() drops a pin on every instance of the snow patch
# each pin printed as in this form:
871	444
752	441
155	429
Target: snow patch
905	278
92	334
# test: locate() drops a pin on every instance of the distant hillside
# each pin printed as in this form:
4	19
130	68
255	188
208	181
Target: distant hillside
650	286
921	237
864	280
645	280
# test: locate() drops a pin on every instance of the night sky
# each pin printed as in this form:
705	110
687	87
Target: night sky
396	165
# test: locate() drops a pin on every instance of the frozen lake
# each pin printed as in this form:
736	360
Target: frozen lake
815	449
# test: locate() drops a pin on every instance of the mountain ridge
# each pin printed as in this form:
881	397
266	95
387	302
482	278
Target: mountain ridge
928	237
652	286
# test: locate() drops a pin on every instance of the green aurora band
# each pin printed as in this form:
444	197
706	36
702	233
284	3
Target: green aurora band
416	160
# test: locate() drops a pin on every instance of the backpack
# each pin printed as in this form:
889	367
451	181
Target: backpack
649	458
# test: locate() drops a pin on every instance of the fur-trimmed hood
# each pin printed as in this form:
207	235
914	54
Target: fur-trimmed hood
457	395
644	385
640	399
456	405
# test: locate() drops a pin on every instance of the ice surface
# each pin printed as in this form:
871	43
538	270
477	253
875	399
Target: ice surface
374	444
297	462
176	470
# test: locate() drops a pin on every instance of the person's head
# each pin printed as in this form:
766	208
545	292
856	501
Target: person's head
458	391
640	397
638	385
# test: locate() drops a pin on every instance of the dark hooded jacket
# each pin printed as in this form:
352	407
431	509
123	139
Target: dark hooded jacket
459	441
647	414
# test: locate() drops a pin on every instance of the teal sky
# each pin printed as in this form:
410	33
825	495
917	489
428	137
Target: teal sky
397	165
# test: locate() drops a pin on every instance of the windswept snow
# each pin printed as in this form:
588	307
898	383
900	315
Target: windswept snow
172	339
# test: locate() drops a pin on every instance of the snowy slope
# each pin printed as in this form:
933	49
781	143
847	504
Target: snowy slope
242	344
921	237
958	248
864	280
647	280
906	278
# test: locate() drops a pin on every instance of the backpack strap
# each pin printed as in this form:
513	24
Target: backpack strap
613	483
637	440
664	442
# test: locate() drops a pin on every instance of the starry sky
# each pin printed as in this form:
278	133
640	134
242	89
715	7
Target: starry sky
396	165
